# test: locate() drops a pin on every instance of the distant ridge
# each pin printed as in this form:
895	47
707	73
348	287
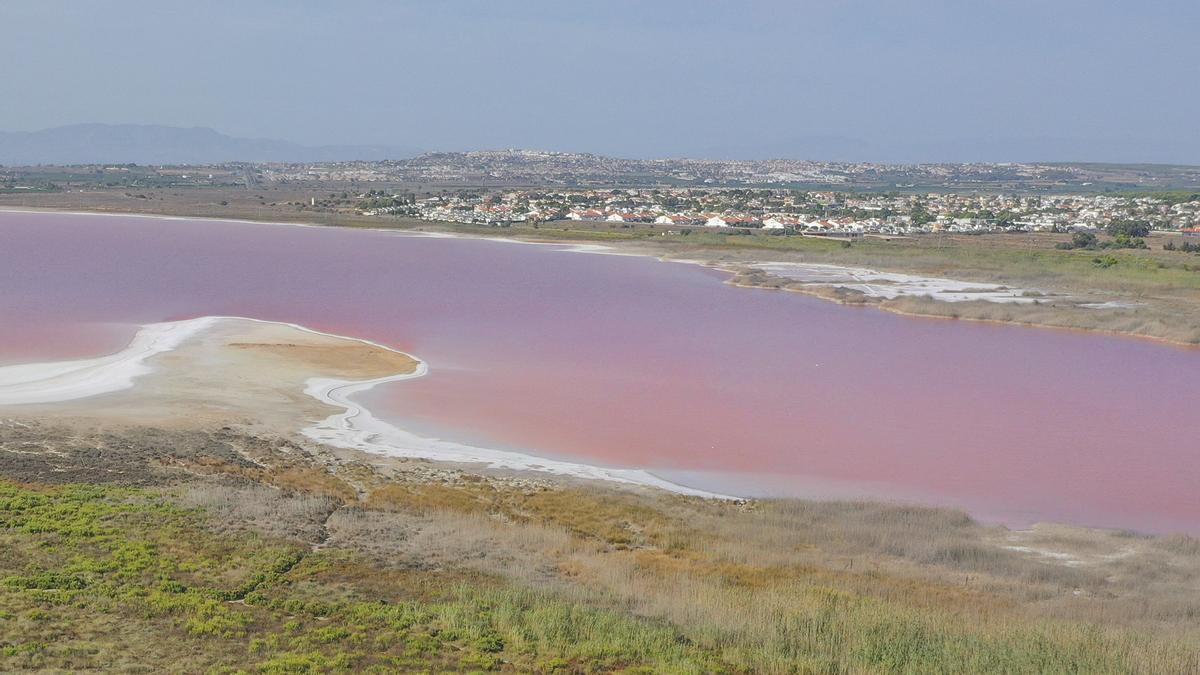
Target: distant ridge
157	144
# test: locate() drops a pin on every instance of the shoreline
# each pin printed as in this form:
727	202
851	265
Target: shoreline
579	246
74	379
354	428
813	292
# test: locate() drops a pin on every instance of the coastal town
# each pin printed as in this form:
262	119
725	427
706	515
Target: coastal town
791	211
782	197
519	168
527	169
570	338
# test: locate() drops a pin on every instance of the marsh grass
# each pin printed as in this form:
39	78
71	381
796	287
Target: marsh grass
622	523
781	586
75	555
1179	327
475	576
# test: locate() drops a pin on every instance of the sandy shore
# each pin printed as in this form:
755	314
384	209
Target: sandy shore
270	377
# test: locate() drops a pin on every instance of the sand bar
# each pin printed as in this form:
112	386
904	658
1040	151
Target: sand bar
258	351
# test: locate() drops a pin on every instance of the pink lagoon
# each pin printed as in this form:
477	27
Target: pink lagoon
627	361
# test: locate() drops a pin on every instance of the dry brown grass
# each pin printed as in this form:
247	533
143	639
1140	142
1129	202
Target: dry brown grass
1181	545
431	497
772	586
313	481
627	522
347	359
1163	321
260	508
291	476
669	556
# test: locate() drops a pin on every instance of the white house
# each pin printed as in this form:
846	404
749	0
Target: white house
716	221
781	223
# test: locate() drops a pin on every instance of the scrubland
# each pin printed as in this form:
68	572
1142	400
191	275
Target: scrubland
220	551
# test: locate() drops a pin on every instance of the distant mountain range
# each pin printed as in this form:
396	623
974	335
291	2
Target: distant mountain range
155	144
158	144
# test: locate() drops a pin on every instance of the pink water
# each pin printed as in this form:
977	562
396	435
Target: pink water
628	361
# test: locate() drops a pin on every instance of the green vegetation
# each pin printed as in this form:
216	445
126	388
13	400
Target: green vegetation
1128	228
1124	236
117	578
1185	247
1169	196
101	577
39	187
1085	240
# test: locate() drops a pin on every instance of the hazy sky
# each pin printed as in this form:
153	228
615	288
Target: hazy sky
1105	79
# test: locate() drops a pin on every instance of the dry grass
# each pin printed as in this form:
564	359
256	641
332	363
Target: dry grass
744	579
605	579
623	523
1161	321
313	481
261	508
291	476
431	497
347	359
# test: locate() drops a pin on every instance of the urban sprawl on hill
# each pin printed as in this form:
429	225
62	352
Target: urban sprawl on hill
782	197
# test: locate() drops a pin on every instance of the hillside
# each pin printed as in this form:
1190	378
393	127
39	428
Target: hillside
212	551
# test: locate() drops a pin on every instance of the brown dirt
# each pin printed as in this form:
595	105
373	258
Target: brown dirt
354	360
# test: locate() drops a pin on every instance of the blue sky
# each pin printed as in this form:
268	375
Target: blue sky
893	81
